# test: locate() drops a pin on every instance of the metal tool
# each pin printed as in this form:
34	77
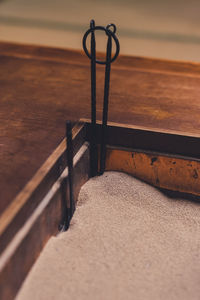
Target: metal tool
70	167
64	224
93	144
67	209
92	55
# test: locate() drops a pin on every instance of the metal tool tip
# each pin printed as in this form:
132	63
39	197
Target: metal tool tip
68	126
92	24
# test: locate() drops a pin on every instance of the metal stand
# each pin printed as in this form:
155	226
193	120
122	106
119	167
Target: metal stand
92	55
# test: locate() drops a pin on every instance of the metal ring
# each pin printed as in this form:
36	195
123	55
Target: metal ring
108	32
113	26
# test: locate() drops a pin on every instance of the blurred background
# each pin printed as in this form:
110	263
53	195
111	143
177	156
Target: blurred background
153	28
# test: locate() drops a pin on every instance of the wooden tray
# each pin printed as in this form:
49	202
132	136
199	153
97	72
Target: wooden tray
165	160
154	107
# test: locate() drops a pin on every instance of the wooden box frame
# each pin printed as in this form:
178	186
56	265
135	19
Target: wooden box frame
170	161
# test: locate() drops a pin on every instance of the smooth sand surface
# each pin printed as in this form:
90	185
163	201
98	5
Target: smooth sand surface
127	240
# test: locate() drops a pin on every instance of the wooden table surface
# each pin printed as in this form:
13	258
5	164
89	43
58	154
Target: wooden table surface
40	88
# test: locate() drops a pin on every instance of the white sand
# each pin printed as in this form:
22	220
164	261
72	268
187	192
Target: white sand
127	240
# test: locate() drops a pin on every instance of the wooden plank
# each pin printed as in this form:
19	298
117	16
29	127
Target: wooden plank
163	171
26	201
24	248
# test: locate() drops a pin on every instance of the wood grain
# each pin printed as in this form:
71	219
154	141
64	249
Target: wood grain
42	87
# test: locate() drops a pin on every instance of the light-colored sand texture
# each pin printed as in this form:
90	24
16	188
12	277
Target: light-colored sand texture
127	240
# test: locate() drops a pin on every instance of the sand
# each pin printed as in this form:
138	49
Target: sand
127	240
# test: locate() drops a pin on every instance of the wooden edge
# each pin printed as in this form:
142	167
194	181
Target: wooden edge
164	160
24	248
159	65
150	129
42	53
31	51
160	170
133	138
25	202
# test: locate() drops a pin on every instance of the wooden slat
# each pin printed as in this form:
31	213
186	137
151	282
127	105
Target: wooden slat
163	171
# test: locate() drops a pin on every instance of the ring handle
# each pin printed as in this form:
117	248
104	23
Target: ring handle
108	32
